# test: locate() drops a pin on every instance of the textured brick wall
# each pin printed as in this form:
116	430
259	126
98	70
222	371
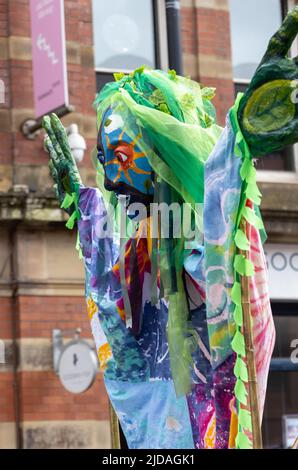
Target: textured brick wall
5	317
207	48
48	415
40	395
43	399
28	157
47	294
5	137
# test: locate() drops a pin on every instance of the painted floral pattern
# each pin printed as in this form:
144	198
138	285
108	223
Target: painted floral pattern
136	365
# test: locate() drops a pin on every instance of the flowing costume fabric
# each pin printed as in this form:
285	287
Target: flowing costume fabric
137	369
178	378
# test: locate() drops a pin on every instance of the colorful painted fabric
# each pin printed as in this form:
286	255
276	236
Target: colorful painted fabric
136	367
224	193
170	314
166	313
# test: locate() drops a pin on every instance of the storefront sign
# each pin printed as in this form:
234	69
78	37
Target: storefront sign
282	261
48	55
77	366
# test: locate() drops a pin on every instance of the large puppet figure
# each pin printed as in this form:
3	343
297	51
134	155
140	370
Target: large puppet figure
167	309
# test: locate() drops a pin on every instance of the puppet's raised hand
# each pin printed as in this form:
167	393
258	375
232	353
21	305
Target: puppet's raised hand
62	165
268	111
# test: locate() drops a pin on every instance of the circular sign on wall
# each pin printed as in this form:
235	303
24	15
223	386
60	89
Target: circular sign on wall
77	366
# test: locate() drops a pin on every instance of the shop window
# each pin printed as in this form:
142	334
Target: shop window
252	24
282	400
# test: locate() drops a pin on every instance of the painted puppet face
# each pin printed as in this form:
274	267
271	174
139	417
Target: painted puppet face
127	169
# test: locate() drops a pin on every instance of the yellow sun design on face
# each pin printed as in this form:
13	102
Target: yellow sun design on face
126	157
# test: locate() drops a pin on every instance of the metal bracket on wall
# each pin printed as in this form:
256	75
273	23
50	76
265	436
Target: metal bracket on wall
31	127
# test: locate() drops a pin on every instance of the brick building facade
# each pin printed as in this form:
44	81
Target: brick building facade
41	277
41	284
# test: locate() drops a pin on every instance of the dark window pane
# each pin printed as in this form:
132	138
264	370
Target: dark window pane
279	161
252	25
286	332
123	33
102	79
281	399
282	396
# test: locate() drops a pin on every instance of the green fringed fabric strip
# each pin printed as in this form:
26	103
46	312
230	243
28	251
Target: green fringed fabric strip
238	315
238	343
243	267
243	442
240	369
68	201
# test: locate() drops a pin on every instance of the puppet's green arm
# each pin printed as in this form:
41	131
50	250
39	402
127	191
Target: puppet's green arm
268	111
62	165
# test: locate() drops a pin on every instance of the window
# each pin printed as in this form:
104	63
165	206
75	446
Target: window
281	398
127	34
252	25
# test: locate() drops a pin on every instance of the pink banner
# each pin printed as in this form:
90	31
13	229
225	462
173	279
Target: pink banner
48	55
